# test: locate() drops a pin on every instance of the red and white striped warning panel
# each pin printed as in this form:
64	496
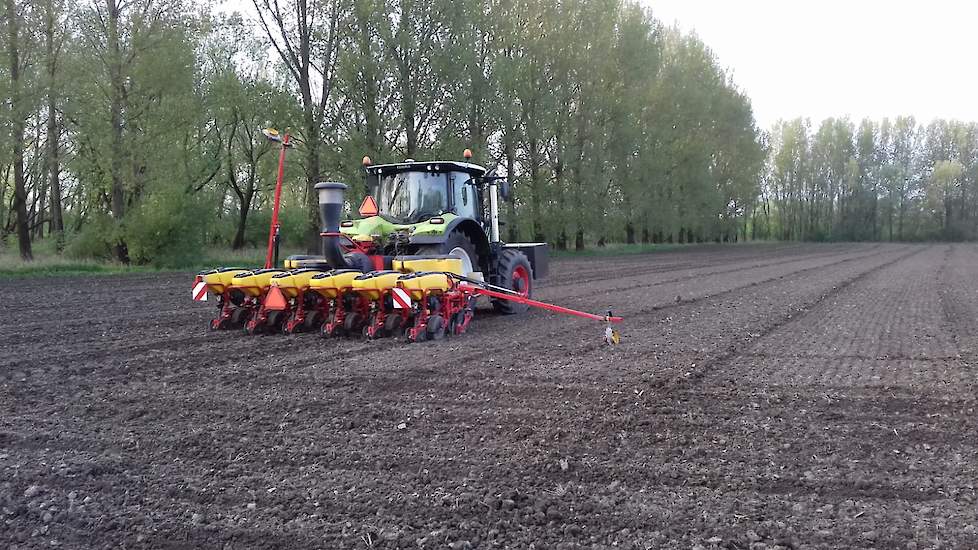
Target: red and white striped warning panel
401	299
200	292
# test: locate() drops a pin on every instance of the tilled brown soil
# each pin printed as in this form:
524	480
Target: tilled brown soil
778	396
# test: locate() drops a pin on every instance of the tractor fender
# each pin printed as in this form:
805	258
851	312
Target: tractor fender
469	227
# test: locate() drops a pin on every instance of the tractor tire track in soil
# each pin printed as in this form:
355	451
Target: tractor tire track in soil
794	396
794	317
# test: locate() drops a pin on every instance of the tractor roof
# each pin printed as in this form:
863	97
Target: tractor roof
430	166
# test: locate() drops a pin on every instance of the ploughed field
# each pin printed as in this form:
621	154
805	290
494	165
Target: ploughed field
793	396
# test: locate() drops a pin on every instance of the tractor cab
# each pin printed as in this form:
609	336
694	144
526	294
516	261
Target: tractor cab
425	208
414	192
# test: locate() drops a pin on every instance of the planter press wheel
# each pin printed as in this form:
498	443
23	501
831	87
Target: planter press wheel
239	316
251	326
394	325
436	327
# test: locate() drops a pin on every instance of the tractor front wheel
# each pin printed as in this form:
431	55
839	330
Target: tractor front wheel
516	274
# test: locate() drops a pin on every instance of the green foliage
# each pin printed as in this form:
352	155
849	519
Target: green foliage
886	180
167	228
291	219
609	126
95	240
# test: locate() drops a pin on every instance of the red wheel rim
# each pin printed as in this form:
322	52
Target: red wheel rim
521	280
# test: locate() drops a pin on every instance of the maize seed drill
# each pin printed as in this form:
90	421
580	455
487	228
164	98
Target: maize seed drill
424	250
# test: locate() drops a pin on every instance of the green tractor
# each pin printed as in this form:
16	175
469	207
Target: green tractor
429	209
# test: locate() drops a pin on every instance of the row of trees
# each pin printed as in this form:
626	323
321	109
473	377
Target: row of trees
880	180
132	127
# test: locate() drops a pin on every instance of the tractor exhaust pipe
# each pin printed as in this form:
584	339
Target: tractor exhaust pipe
330	208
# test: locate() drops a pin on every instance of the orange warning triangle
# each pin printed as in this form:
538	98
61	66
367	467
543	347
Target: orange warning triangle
368	207
275	300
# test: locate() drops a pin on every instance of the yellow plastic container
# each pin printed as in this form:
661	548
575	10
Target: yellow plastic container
372	285
417	265
418	283
217	280
254	283
295	281
331	283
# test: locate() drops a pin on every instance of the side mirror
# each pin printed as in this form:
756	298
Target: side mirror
504	189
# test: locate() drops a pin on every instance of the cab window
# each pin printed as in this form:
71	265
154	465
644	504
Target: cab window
464	195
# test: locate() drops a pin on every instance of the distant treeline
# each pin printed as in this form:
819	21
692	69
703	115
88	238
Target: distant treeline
131	129
881	180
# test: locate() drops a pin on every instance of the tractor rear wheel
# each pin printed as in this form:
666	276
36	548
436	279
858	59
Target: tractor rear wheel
457	244
516	274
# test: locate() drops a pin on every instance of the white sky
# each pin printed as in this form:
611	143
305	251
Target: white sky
861	58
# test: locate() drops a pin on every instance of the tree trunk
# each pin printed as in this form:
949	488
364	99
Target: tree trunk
17	133
408	97
535	190
561	243
313	240
54	173
368	85
889	215
947	214
311	142
558	184
117	85
39	205
38	212
901	216
410	126
53	130
512	226
294	36
245	208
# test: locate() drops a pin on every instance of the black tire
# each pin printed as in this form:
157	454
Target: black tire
251	328
276	319
325	333
393	325
456	239
516	274
360	262
353	322
436	327
239	316
313	320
